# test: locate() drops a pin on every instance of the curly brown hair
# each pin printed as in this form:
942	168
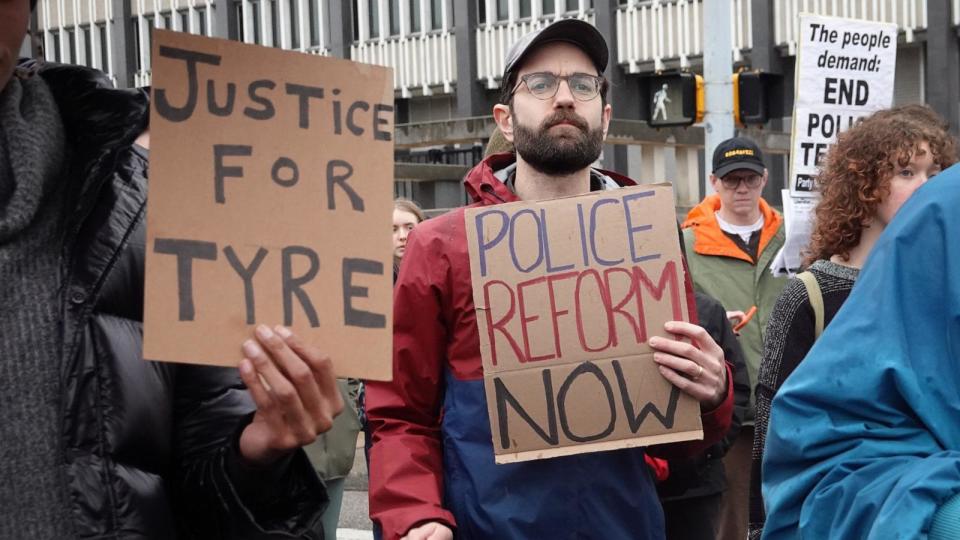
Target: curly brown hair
855	174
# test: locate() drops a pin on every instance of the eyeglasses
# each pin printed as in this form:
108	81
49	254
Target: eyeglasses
544	85
733	182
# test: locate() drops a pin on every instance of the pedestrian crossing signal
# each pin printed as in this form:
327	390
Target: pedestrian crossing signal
675	99
750	98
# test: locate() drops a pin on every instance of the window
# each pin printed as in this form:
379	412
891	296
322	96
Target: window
314	30
202	21
548	6
394	6
356	20
255	20
274	24
71	48
524	9
414	16
373	7
102	30
184	20
87	53
143	57
503	10
436	14
56	46
294	23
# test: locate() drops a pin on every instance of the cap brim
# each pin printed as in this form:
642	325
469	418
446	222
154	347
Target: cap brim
730	167
580	33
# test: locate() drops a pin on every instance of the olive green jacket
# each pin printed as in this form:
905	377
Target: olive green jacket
333	452
722	270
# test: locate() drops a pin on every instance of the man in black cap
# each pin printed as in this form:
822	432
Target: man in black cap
95	441
432	468
731	238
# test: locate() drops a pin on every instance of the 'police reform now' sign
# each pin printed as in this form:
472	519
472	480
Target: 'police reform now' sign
270	201
845	70
567	293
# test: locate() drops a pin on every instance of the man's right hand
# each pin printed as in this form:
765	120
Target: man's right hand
429	531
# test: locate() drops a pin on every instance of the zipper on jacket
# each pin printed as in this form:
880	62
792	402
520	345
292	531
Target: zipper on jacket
487	188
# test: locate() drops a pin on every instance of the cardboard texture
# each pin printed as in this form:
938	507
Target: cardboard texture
270	202
567	292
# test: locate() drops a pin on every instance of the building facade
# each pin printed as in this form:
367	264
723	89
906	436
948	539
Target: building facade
447	56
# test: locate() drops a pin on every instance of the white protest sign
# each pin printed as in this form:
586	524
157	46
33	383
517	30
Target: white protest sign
845	70
798	217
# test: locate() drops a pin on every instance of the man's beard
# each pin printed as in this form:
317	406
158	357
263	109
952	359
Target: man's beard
558	155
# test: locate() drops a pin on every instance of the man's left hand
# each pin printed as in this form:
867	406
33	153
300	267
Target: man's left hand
295	389
698	369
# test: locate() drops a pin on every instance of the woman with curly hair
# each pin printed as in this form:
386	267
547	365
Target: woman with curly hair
874	167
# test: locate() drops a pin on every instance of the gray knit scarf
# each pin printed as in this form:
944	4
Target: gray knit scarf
32	150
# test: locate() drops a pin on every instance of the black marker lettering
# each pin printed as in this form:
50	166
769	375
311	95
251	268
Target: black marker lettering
192	58
351	125
636	420
305	93
222	172
267	111
293	286
586	367
352	316
246	274
503	396
333	178
285	163
379	121
212	105
186	251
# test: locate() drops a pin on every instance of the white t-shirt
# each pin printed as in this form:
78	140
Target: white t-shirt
743	231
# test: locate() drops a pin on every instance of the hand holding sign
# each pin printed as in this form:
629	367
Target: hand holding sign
699	370
298	401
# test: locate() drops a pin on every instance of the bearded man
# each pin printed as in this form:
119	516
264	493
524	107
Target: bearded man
432	468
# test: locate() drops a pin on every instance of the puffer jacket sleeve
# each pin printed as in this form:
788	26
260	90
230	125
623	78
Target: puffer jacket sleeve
217	495
863	439
406	465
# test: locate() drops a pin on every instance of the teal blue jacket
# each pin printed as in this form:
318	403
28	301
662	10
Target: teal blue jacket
864	438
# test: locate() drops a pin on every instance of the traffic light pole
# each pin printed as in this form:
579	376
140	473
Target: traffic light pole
718	84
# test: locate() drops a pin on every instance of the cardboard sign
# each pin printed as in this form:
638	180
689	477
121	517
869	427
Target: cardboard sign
845	70
270	202
567	293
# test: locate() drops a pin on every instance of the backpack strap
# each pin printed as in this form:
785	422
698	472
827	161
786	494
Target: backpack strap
816	300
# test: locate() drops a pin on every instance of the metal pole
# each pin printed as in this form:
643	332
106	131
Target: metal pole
717	73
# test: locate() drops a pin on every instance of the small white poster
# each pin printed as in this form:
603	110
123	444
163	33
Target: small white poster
798	217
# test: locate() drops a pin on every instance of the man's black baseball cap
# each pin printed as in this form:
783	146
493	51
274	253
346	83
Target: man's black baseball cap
579	33
735	154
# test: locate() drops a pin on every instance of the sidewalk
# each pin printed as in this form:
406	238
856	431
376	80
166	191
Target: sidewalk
355	522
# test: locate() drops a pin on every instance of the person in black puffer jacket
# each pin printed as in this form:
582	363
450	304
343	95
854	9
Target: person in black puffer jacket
96	442
691	493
